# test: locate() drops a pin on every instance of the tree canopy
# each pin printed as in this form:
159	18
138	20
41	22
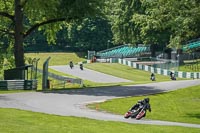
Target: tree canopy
168	23
155	21
19	18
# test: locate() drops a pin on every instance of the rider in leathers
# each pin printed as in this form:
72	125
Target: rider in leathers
142	103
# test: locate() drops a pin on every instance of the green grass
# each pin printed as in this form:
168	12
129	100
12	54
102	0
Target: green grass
56	58
126	72
63	59
190	66
180	105
136	76
18	121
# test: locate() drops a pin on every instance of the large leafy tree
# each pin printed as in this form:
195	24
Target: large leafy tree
90	34
169	23
179	19
120	13
93	34
19	18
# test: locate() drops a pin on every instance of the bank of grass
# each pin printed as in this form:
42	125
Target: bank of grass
126	72
180	105
115	69
134	75
17	121
57	58
190	66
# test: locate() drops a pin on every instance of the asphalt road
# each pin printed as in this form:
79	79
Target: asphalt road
72	102
88	74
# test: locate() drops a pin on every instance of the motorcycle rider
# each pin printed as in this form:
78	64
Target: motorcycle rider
172	76
153	78
71	64
142	103
81	66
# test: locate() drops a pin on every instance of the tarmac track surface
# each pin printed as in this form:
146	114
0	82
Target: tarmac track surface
72	102
88	74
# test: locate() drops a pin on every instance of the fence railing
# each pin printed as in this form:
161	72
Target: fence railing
18	84
166	72
64	79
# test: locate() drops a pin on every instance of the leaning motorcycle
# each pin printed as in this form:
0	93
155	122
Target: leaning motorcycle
131	113
135	113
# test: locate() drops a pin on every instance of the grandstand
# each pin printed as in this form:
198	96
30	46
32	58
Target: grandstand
193	45
123	51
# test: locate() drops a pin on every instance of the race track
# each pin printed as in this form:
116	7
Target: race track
72	102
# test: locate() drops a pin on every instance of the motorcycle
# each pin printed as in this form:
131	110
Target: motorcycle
141	114
135	113
131	113
71	64
81	66
173	77
152	78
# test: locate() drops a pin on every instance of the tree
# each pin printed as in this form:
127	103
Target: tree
90	34
120	13
93	34
21	17
178	18
159	22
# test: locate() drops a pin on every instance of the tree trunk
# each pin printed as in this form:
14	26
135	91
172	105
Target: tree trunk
18	43
168	52
180	56
153	50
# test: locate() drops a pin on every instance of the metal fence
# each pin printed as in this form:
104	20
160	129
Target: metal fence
166	72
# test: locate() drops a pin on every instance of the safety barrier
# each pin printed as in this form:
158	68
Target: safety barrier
18	84
63	81
166	72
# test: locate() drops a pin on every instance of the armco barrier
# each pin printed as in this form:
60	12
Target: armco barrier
180	74
18	84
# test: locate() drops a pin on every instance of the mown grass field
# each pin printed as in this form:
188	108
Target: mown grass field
126	72
18	121
60	58
190	66
180	105
115	69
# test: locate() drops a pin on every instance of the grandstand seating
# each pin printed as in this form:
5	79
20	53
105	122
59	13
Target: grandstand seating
192	46
122	51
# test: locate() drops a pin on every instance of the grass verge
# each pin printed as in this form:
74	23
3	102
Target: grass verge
17	121
126	72
180	105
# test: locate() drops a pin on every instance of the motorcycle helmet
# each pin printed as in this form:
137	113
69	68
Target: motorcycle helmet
146	100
